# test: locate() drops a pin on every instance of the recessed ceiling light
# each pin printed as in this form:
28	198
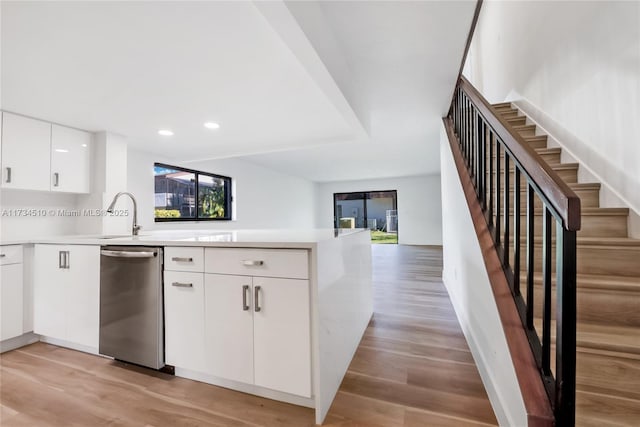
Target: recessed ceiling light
211	125
165	132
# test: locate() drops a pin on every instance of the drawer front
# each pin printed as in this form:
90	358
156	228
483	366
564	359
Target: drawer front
10	254
183	259
285	263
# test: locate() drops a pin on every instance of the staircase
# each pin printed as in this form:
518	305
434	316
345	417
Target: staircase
608	293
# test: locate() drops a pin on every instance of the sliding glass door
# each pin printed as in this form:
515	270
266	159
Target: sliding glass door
375	210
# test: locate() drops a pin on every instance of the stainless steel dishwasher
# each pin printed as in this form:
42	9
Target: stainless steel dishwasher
131	306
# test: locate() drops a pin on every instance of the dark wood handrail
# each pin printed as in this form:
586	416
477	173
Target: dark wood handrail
563	198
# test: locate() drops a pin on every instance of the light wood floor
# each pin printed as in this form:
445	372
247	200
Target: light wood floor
413	368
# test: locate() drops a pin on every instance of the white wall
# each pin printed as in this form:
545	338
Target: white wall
263	198
579	64
466	279
419	205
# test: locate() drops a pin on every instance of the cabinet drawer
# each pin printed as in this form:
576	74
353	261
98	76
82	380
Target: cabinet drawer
285	263
11	254
184	259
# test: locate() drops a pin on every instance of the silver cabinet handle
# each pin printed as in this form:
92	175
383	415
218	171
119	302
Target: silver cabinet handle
56	179
63	259
2	255
181	259
250	262
256	294
8	175
128	254
245	306
182	285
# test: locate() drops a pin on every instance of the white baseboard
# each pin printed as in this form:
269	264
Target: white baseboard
68	344
17	342
308	402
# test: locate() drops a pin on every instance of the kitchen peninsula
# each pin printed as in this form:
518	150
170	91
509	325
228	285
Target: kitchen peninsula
275	313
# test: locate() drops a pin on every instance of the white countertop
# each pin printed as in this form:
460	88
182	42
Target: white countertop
307	238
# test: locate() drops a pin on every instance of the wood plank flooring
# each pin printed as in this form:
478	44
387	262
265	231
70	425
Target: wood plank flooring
413	368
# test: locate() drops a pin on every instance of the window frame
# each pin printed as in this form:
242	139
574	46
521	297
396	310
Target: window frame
228	194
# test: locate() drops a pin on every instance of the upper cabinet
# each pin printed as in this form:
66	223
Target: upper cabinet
25	153
70	159
37	155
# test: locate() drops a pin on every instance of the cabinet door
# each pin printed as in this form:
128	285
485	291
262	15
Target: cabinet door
282	340
184	320
229	327
70	160
10	301
49	291
26	148
82	289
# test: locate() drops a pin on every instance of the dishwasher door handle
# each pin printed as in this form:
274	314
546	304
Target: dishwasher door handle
128	254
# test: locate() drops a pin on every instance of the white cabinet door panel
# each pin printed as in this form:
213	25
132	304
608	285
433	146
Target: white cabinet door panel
229	327
70	160
83	295
26	145
49	292
282	342
11	302
66	293
184	320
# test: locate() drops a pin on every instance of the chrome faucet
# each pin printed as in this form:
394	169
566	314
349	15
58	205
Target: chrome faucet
135	228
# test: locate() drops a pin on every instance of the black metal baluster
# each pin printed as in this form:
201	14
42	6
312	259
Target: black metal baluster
516	231
483	165
530	254
565	326
498	189
546	285
490	173
507	214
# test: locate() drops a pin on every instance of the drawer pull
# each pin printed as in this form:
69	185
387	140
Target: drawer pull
2	255
252	263
256	294
182	285
245	306
181	259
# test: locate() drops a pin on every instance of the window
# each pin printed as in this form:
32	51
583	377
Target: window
375	210
188	195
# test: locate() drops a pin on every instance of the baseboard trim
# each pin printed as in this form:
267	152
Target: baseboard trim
307	402
19	341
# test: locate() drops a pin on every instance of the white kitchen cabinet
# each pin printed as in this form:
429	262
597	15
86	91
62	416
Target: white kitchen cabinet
26	151
229	327
11	292
67	293
184	319
281	335
70	160
257	331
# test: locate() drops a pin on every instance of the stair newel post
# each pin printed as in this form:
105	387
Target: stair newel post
565	396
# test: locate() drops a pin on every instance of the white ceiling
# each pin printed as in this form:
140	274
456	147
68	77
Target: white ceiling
324	90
